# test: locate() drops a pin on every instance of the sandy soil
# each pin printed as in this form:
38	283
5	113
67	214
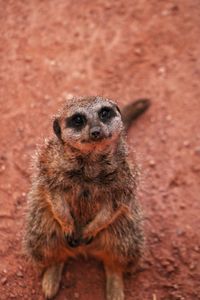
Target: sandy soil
50	50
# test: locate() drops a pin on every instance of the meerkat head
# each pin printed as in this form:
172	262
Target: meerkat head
88	123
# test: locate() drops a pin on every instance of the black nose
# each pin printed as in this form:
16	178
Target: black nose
95	133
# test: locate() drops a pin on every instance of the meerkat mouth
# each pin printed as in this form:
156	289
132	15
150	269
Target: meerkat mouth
97	140
92	141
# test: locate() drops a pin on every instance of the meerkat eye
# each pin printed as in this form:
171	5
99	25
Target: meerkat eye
76	121
106	113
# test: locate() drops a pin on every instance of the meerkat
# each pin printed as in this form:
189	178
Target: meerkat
83	194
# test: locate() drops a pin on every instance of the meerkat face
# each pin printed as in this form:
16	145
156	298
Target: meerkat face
89	123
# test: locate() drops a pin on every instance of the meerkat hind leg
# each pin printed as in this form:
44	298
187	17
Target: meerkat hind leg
51	280
114	284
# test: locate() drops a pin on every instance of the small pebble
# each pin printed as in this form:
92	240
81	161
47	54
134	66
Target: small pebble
32	105
170	268
182	206
152	163
76	295
67	96
186	143
21	284
162	70
163	139
52	62
197	150
3	167
165	195
28	58
20	274
33	292
165	13
163	105
192	266
152	120
196	169
46	97
169	118
175	286
138	51
180	232
4	280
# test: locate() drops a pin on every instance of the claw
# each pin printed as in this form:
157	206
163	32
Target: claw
72	240
87	240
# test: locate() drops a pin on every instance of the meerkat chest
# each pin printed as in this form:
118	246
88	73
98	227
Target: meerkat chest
85	202
91	186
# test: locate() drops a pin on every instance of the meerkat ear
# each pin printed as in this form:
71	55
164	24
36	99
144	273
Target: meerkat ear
56	128
117	107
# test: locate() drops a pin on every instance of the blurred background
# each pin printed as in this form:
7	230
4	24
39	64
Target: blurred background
123	50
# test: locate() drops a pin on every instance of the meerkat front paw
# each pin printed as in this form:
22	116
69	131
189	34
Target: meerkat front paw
87	236
51	280
87	240
73	240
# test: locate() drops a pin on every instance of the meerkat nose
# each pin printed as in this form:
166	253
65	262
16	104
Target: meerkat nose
95	133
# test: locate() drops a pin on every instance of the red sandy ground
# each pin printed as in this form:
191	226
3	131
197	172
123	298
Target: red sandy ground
50	50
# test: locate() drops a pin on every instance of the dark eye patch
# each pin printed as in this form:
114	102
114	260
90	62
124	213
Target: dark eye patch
77	121
106	114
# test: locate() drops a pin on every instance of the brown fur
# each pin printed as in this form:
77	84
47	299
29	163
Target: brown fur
84	196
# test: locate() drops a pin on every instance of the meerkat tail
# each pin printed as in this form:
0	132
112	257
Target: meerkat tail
133	110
